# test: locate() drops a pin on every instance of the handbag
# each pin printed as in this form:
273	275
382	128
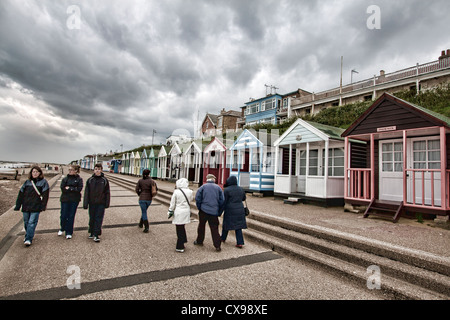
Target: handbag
154	189
37	191
246	210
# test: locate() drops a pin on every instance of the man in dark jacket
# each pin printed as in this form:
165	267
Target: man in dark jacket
96	197
209	200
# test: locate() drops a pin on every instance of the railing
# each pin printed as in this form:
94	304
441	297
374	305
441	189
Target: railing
359	184
426	186
372	82
447	194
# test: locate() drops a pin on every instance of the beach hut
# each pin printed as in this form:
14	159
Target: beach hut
137	164
215	162
131	163
193	170
144	162
310	163
152	163
163	163
405	167
176	159
251	161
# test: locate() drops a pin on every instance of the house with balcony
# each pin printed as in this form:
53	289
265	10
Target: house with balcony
262	110
420	77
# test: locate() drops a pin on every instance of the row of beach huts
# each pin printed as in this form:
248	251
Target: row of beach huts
393	159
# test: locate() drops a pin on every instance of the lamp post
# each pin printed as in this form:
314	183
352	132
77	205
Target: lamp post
153	135
351	77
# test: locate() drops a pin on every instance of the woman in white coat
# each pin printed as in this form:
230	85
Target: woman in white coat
181	210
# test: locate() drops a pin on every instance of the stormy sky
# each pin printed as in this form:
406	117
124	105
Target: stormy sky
83	77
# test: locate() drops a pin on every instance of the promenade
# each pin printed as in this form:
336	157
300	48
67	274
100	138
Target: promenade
129	264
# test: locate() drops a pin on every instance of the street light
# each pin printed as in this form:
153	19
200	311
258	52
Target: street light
153	135
351	77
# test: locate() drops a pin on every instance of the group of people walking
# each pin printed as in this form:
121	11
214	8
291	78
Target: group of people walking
211	202
34	193
210	199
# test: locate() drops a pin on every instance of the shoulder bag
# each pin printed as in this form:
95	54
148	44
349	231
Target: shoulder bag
37	191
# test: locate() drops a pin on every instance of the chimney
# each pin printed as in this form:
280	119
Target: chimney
444	54
382	73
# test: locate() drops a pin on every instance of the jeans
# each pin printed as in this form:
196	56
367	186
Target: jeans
144	204
96	214
213	222
30	220
68	211
239	236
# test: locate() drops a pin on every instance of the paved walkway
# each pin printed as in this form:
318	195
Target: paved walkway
406	232
128	264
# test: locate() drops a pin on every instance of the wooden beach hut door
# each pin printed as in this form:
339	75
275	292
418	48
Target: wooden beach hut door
391	170
422	185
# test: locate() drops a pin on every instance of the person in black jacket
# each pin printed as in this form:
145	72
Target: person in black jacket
33	198
71	187
96	197
234	214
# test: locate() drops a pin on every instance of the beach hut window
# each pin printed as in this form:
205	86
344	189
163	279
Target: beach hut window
335	162
255	161
392	157
268	162
427	154
314	162
303	163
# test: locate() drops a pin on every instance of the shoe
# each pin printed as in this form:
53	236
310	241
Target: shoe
96	239
146	226
69	236
197	244
218	249
239	246
27	243
91	236
60	232
141	223
179	250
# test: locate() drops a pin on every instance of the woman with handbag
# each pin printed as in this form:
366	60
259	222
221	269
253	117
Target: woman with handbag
146	189
180	209
33	198
234	211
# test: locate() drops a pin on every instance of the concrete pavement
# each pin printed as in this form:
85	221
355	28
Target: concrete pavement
128	264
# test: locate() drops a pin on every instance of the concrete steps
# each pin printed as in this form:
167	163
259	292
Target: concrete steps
404	273
398	279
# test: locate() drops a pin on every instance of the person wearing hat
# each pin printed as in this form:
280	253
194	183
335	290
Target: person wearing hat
209	200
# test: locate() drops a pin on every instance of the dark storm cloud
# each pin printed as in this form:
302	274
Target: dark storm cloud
135	66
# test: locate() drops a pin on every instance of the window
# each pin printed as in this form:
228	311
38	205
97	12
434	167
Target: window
303	162
253	108
313	162
392	157
336	162
426	154
255	160
268	105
